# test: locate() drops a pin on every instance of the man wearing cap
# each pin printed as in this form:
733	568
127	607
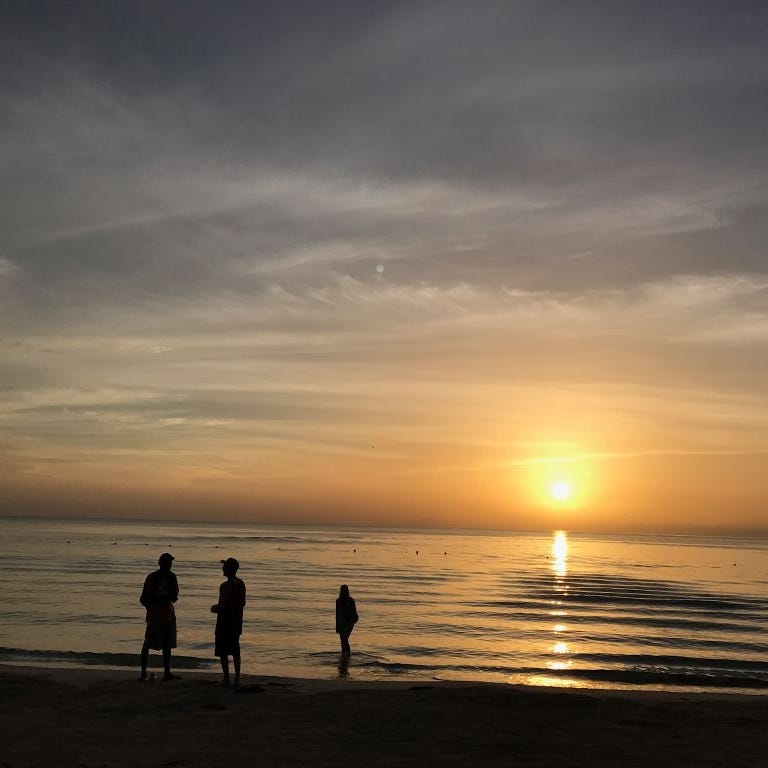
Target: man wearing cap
229	619
161	591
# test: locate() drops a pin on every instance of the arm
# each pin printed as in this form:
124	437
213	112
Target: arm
222	600
147	598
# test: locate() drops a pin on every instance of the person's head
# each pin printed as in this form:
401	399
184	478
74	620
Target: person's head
343	591
165	561
229	566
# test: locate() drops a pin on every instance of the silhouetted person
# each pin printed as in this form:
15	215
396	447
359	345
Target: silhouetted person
346	617
161	591
229	619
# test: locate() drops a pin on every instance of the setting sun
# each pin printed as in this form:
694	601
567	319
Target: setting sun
562	479
560	490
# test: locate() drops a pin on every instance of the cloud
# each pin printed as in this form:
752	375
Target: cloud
449	164
293	229
7	269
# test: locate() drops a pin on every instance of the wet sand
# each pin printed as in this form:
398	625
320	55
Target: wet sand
91	718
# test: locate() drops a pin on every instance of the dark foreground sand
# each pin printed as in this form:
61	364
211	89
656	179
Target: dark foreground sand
102	718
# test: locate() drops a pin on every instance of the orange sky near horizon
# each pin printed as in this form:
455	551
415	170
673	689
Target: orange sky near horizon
434	472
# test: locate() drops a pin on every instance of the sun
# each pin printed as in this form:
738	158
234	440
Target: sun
560	483
560	490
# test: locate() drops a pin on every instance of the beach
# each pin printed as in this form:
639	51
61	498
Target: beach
89	718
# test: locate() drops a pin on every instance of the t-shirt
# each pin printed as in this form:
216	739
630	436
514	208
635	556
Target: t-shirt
161	591
231	604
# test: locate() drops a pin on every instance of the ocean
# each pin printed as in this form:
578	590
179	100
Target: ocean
552	608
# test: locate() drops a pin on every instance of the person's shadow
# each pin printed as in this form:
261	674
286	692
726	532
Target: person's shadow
343	665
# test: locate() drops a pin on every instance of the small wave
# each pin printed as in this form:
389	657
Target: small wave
667	661
687	679
608	619
704	644
611	588
96	659
665	678
360	657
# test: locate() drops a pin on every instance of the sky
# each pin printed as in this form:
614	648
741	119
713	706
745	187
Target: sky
443	264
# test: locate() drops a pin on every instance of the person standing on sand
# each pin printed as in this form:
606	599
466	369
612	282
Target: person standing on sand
346	618
161	591
229	619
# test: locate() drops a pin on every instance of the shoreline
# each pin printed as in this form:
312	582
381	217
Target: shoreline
96	717
306	676
82	676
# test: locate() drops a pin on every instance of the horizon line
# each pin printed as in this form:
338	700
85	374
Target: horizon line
712	532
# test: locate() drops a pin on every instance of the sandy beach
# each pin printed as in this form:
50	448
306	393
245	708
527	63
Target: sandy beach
90	718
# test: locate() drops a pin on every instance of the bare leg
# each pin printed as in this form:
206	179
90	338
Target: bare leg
167	665
225	668
345	649
236	662
144	660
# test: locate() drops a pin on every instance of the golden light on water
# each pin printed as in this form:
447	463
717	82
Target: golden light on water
560	648
560	553
560	545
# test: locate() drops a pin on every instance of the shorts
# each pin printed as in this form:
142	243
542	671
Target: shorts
160	635
227	642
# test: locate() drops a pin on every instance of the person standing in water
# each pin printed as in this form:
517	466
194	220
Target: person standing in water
229	619
161	591
346	618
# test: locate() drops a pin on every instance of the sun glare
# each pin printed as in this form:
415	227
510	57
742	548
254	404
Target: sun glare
560	490
560	483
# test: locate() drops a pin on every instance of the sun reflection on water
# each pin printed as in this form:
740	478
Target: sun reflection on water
554	682
560	647
560	553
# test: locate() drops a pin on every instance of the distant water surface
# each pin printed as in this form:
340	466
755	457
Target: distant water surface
545	609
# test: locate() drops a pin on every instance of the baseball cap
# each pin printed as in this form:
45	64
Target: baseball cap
166	557
230	563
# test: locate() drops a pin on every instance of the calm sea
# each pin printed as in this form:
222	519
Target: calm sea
535	608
